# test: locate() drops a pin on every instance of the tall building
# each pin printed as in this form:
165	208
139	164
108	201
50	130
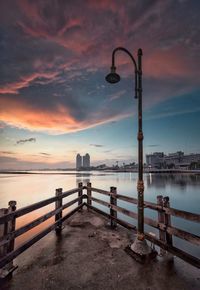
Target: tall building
86	161
78	161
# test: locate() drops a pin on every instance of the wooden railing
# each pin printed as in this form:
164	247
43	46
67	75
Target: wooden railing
8	231
163	224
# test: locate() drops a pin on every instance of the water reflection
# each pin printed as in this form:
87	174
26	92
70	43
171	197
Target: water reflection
29	188
179	180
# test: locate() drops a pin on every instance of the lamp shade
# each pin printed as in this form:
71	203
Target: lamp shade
112	78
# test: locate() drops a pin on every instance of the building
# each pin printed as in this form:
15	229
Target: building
78	161
86	161
155	160
173	160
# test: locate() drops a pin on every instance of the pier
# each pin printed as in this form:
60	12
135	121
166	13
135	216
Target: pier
90	248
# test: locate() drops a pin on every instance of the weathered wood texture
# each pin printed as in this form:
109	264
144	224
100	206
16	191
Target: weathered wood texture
32	207
58	216
167	220
173	250
161	219
9	236
170	211
80	192
12	255
113	201
3	232
89	194
192	238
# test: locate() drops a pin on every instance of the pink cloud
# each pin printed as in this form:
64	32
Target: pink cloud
13	88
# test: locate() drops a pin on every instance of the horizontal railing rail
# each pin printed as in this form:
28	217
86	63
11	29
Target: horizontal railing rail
194	217
6	239
12	255
8	217
163	224
173	250
8	231
27	209
192	238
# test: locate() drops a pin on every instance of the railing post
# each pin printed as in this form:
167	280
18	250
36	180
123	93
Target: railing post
167	220
5	229
89	194
161	219
11	228
113	201
58	204
80	192
3	232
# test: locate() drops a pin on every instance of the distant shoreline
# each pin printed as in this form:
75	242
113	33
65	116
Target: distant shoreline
60	172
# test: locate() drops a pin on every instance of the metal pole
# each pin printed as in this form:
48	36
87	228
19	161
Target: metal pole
140	246
140	184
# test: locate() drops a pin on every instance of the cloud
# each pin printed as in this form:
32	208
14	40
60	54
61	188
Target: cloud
152	145
55	55
45	154
23	141
97	145
13	88
7	152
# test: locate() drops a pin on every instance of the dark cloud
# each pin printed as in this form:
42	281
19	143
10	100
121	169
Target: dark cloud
23	141
153	145
96	145
45	154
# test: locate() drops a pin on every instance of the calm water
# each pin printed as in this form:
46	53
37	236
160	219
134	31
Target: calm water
183	190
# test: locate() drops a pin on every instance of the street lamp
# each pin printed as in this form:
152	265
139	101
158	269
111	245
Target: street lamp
139	246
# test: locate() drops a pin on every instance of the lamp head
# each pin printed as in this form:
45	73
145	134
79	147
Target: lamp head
113	77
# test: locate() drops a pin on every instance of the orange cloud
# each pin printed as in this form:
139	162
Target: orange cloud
58	120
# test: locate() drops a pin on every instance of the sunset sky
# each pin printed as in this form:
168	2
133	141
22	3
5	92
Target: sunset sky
54	100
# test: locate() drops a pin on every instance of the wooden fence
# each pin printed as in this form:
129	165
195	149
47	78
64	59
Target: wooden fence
8	216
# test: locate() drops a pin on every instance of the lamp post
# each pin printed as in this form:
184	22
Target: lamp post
139	246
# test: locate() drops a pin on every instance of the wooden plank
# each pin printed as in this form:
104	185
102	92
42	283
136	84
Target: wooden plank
58	204
194	217
34	223
171	211
80	192
100	191
161	219
127	198
89	193
113	201
117	208
167	220
24	210
12	255
11	228
3	233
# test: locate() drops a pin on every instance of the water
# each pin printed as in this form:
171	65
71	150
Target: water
183	190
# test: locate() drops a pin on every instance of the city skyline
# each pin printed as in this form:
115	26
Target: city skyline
55	102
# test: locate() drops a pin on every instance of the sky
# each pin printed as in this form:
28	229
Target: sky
54	100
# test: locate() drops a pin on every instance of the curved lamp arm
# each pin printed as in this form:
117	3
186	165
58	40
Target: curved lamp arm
126	51
134	62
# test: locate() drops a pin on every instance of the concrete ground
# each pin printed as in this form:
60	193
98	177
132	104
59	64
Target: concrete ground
89	255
